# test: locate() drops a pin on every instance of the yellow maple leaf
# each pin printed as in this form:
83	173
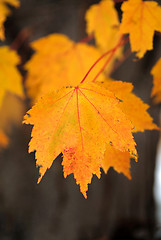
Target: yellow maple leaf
61	62
10	78
120	161
156	91
140	20
79	122
102	21
5	12
131	105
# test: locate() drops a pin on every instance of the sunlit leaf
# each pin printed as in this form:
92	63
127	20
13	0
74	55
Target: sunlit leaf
79	122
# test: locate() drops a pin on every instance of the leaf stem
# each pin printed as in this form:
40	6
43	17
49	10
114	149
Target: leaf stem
120	43
112	51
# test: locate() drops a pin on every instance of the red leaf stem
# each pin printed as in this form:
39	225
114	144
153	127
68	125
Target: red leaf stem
120	43
112	51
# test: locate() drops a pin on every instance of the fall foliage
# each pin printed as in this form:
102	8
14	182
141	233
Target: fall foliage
77	109
77	113
140	20
103	21
75	117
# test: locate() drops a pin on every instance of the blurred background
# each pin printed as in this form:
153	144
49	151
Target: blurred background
116	208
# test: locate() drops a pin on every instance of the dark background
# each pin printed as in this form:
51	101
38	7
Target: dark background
116	208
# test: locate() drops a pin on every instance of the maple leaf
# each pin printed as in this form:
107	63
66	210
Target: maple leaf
120	161
10	78
131	105
156	90
140	20
102	21
3	139
79	122
5	12
61	63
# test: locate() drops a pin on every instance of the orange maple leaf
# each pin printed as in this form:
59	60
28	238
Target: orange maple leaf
140	20
79	122
5	12
156	91
61	62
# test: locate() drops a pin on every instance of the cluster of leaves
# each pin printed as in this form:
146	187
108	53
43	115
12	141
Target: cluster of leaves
78	109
